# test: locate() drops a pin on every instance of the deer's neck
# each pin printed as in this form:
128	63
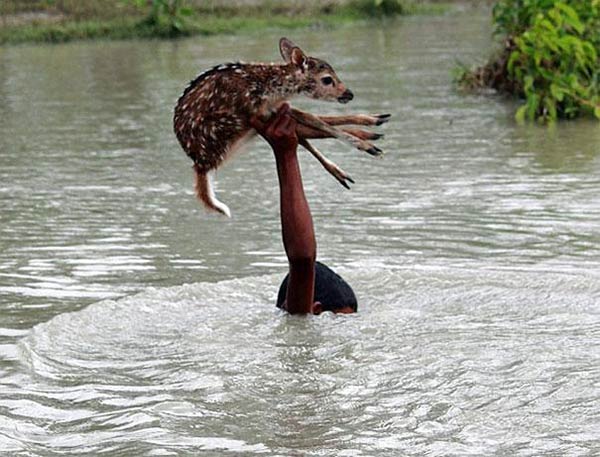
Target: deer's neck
281	81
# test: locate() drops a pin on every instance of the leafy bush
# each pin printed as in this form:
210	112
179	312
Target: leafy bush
168	15
377	8
550	57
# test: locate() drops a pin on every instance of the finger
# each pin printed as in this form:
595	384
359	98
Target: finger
292	126
284	108
288	125
281	119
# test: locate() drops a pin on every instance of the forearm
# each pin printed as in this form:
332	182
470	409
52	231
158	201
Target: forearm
296	220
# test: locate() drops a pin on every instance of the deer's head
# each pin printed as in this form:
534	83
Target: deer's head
318	78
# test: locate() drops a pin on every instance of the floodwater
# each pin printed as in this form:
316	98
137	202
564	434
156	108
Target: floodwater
132	323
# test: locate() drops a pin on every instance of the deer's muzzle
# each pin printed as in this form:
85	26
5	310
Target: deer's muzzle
346	96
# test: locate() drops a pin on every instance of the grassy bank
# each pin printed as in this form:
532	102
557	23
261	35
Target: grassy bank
131	27
64	20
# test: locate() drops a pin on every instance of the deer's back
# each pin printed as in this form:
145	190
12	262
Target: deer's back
214	112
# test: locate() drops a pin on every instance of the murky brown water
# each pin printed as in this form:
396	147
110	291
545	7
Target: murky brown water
131	323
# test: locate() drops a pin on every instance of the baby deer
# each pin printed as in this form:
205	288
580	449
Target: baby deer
213	116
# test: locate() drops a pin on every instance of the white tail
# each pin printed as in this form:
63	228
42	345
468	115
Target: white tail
206	195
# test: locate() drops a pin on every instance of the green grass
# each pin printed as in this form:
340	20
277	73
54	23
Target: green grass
132	28
115	19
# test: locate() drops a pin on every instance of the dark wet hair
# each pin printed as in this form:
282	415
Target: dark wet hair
330	290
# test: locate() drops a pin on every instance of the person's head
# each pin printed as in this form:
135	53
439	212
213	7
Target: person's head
332	293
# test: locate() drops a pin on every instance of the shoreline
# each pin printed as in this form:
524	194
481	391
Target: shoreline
124	22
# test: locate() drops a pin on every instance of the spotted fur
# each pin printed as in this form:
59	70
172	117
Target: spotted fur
212	116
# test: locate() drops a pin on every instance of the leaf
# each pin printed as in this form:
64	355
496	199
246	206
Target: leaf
546	24
556	17
520	114
570	16
597	111
533	103
514	56
590	51
537	57
186	11
556	92
551	107
547	74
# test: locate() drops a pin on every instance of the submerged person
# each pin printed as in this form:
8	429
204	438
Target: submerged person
310	287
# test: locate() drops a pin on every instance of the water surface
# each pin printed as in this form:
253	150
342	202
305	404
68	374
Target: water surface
132	323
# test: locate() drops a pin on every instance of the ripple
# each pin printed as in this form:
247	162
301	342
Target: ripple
432	356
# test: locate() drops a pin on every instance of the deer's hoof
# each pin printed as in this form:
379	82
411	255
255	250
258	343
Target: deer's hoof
382	119
342	177
374	151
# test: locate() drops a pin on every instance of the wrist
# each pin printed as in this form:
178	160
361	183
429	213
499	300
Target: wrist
285	150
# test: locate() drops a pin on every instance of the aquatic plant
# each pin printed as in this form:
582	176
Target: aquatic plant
549	57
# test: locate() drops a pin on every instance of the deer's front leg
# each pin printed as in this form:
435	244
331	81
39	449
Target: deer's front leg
311	133
356	119
363	134
313	121
330	166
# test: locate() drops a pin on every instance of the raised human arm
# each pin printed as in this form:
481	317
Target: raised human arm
296	221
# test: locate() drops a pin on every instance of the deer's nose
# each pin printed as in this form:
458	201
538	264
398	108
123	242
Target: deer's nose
346	96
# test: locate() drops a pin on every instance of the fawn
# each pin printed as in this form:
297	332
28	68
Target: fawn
213	116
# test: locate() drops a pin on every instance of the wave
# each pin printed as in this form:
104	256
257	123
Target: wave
431	355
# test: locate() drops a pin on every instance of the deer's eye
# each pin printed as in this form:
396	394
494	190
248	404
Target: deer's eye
327	80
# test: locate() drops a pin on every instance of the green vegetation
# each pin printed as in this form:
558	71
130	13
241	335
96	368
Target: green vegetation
550	58
377	8
166	14
64	20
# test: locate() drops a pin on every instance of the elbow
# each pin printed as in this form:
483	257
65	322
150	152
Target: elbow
302	252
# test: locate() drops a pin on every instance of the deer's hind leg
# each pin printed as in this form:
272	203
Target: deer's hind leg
310	120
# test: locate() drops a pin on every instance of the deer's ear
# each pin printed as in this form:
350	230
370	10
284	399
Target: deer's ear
285	48
298	58
290	52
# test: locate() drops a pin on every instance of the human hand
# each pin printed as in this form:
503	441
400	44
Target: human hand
279	130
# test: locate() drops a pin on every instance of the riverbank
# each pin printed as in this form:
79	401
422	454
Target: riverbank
67	20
